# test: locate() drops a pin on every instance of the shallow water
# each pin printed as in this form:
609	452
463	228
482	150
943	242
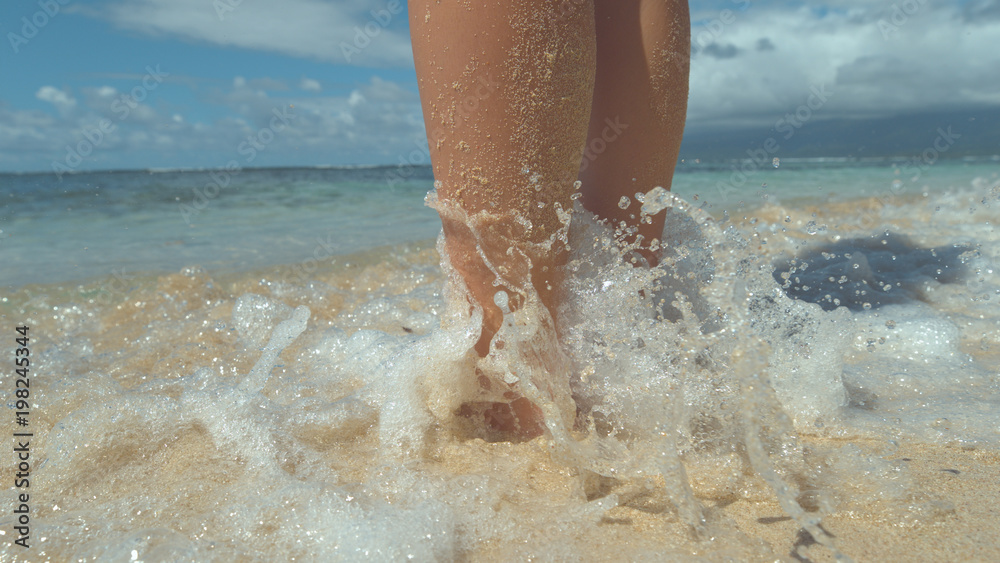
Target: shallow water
298	413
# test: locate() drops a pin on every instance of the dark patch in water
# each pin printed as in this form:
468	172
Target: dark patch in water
805	540
878	270
773	519
860	398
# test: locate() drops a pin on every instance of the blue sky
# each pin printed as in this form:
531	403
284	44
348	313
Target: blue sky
183	83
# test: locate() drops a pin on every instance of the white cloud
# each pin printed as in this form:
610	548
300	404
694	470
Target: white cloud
302	28
309	85
376	122
63	102
23	131
930	59
754	68
763	65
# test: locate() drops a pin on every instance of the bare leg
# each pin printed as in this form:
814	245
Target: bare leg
640	102
506	90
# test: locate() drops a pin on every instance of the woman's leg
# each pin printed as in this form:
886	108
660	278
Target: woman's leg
506	90
640	102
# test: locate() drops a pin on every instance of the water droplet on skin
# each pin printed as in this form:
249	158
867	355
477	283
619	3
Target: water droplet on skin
624	202
657	199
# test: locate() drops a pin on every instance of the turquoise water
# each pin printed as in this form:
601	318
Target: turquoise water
93	225
816	181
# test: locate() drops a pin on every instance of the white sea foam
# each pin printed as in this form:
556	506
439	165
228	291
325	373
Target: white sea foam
277	418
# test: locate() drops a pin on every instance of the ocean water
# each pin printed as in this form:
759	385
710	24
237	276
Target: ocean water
273	366
97	224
